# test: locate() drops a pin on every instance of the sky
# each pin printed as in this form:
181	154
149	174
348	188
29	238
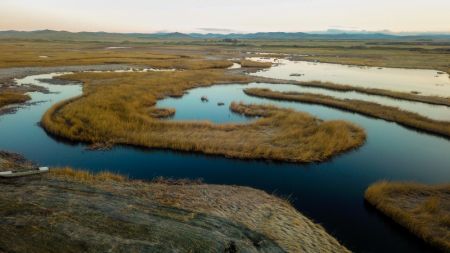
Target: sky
225	16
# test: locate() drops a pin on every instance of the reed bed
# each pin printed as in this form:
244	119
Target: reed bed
28	54
83	176
255	64
408	119
7	98
116	108
434	100
422	209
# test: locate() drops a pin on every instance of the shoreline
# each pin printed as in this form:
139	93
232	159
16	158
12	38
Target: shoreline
203	216
422	209
374	110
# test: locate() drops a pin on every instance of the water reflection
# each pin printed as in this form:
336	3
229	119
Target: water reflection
330	193
426	82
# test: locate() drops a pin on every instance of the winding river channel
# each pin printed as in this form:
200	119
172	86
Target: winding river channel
331	193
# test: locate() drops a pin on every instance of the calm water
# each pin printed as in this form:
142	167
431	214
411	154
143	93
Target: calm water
229	93
427	82
330	193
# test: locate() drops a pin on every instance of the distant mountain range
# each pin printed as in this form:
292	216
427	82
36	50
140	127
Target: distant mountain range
327	35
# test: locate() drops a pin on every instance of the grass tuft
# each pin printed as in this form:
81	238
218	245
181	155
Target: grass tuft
255	64
86	176
7	98
422	209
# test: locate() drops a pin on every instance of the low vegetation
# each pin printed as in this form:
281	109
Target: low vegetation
422	209
118	108
434	100
7	98
364	53
408	119
14	162
255	64
77	211
43	54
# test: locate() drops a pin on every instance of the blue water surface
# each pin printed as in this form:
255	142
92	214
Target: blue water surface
331	193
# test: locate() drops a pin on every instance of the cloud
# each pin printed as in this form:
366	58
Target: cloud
216	30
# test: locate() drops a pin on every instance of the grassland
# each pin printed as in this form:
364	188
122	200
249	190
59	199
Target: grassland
422	209
7	98
16	53
119	108
77	211
376	53
255	64
408	119
45	54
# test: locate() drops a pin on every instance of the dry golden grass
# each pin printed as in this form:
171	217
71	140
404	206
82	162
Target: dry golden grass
161	112
115	108
27	54
85	176
422	209
255	64
408	119
435	100
7	98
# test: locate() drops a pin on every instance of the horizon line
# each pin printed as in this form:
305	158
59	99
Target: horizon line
343	31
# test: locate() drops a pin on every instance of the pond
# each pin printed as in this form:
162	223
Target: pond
426	82
330	193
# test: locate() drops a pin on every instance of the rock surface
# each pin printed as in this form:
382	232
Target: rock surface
75	211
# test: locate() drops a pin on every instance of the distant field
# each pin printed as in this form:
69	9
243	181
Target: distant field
383	53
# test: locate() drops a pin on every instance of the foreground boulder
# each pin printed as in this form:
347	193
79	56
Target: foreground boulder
69	211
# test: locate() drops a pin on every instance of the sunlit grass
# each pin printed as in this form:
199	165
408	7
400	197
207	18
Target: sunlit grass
27	54
255	64
422	209
375	110
118	108
380	92
7	98
67	173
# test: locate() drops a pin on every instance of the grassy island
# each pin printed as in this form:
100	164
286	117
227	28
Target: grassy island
7	98
388	113
422	209
119	108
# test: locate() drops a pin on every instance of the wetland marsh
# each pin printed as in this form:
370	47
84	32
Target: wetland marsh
337	185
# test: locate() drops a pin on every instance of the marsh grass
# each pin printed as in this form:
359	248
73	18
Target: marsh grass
27	54
434	100
115	109
422	209
7	98
161	112
255	64
408	119
70	174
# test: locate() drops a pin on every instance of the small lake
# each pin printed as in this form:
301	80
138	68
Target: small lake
330	193
427	82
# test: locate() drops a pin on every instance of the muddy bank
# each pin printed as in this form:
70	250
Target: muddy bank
7	75
15	162
8	85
